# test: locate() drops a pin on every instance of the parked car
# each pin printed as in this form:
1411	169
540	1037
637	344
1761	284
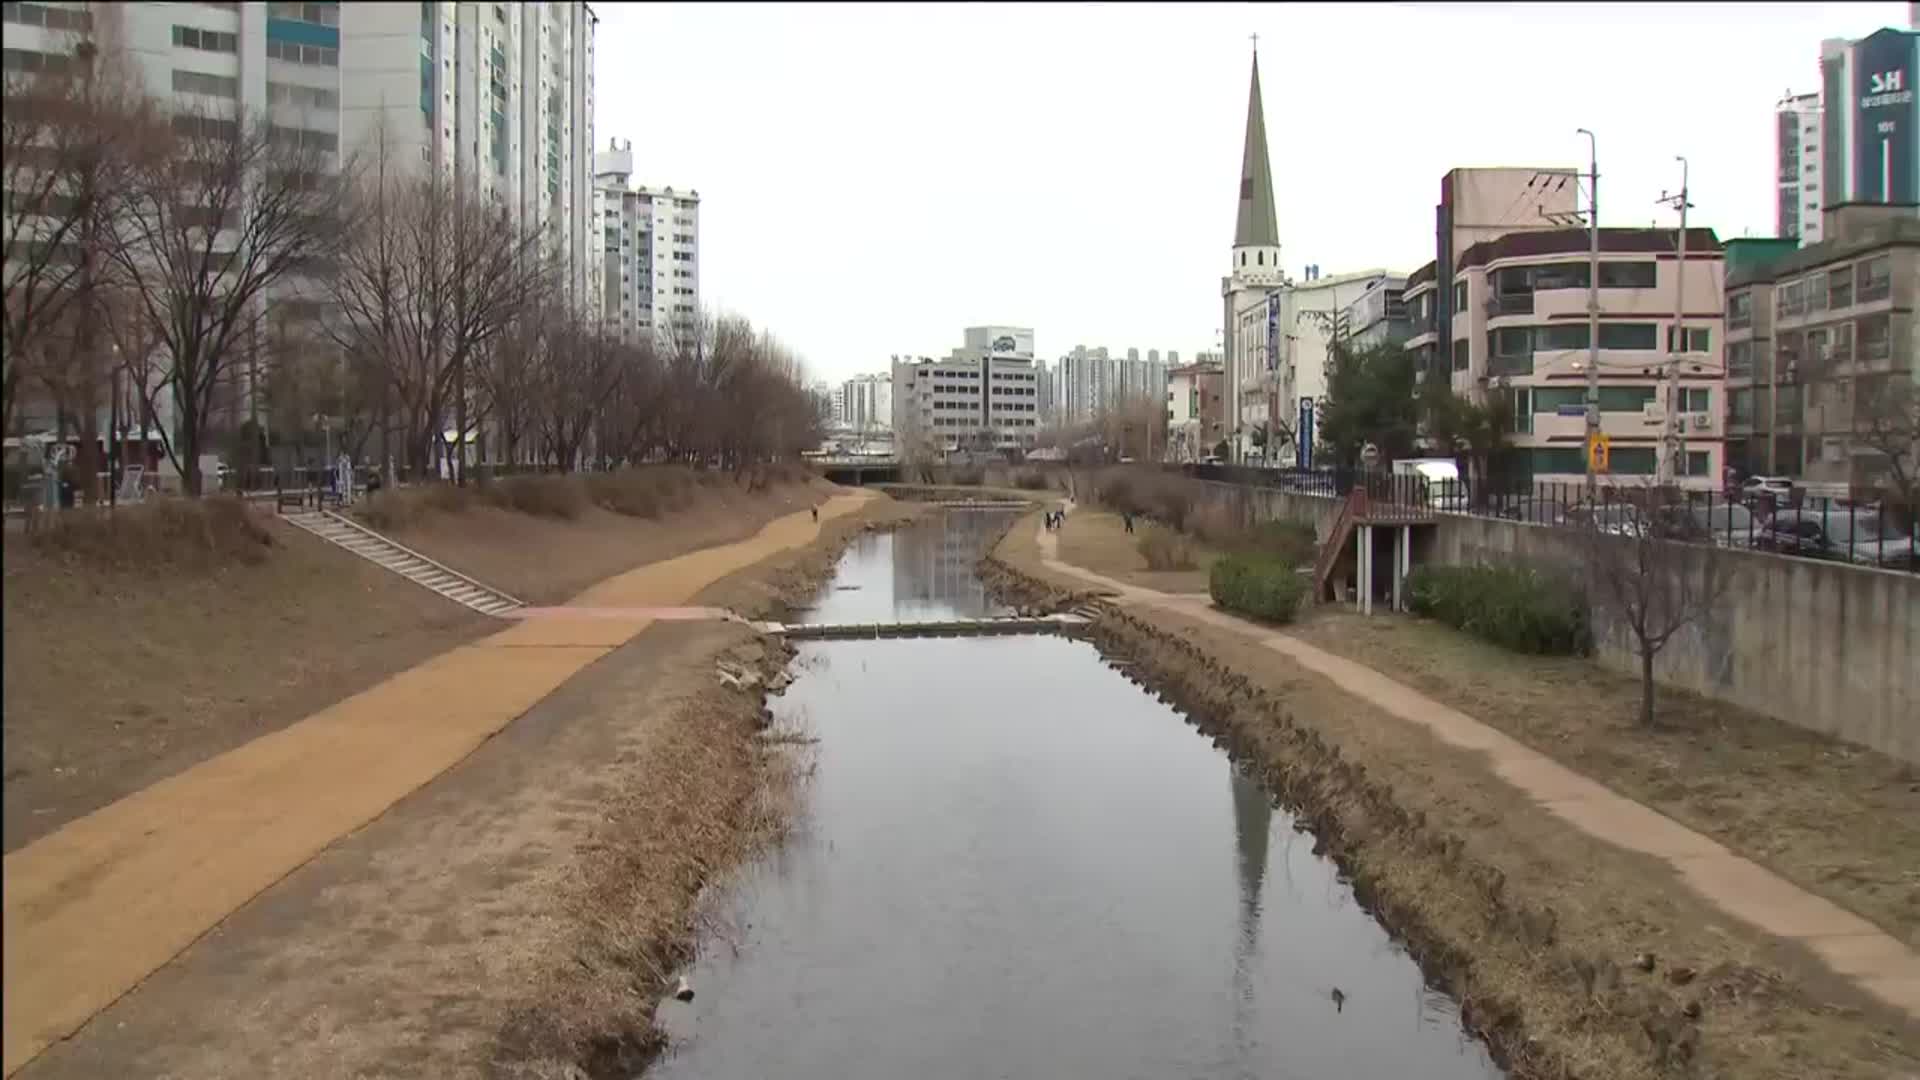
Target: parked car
1859	538
1777	486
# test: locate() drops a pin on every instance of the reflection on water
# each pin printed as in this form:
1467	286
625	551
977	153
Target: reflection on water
921	573
1015	863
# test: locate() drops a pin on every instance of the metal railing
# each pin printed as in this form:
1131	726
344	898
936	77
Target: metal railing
1861	532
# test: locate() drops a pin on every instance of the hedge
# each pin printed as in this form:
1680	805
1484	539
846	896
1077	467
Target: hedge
1260	586
1518	609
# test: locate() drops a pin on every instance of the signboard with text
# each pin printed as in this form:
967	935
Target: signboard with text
1273	331
1303	452
1886	118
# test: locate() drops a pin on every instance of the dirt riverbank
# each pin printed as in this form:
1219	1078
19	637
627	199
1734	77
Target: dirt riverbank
516	916
1533	926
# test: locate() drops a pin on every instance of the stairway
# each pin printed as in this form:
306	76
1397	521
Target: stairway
415	567
1336	543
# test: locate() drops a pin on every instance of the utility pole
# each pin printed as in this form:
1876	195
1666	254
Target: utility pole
1672	446
1593	311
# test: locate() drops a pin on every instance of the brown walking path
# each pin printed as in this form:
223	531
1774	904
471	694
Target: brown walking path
94	907
1851	946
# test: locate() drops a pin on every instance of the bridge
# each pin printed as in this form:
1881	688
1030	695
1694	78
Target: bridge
858	469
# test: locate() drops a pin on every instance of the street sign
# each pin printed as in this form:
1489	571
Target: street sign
1599	451
1303	433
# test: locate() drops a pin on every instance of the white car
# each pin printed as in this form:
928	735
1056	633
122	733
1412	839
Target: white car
1777	486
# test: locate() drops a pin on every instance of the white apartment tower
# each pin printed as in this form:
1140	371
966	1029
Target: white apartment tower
650	243
495	96
1800	168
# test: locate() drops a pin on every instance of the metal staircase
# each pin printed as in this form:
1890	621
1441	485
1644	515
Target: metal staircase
342	531
1336	543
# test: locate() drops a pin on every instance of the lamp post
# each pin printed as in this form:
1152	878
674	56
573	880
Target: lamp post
1593	310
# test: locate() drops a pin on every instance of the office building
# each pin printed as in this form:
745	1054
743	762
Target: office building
1816	336
983	397
1519	330
1799	167
650	240
1870	119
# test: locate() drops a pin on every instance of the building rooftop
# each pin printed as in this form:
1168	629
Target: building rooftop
1576	241
1886	232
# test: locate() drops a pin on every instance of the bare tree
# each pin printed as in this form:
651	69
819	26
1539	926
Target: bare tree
229	211
430	276
1639	576
571	381
67	136
1887	421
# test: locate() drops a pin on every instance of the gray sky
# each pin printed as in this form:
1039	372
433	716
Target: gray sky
874	178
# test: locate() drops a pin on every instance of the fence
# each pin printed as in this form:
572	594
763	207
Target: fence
1862	533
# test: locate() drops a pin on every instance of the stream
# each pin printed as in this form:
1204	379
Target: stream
1013	862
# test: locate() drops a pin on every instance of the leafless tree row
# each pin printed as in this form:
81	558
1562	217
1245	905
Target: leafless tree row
229	275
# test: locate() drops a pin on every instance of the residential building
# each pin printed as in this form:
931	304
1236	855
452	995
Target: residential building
1284	335
1813	333
1477	205
1520	330
1798	167
650	239
984	394
864	403
1088	382
1378	316
1870	118
1196	412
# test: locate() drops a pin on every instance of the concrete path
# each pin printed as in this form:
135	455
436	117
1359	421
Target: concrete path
91	909
1851	946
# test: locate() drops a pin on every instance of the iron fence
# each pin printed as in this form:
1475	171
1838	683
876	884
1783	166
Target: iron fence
1863	532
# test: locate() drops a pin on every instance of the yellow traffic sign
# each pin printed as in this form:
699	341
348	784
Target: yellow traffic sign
1599	451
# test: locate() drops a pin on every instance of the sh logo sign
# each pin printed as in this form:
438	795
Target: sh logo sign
1887	82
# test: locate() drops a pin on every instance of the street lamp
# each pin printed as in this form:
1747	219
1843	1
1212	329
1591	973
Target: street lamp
1593	310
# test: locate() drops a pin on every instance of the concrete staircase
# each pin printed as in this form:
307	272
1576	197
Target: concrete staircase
415	567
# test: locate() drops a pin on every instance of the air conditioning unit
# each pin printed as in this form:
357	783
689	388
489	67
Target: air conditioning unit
1653	412
1700	421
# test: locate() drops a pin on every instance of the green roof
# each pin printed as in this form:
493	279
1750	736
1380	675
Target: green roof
1257	226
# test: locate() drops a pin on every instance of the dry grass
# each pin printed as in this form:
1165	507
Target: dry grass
168	534
119	674
1099	541
1836	819
1528	922
1164	549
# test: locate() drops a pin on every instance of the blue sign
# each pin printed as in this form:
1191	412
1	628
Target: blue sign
1570	410
1303	452
1273	331
1886	117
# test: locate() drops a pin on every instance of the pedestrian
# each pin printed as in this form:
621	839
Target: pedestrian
816	514
1128	519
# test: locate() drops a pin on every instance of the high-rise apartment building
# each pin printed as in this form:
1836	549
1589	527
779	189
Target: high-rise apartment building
498	97
1799	167
1870	119
650	245
1088	382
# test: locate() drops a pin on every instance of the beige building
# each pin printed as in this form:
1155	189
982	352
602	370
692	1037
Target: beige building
1521	330
1811	335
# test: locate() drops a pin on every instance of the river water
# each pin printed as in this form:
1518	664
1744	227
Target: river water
1012	862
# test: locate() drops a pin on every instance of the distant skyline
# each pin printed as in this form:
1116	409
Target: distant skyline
875	178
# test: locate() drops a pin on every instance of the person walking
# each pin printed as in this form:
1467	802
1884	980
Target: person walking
1127	519
816	514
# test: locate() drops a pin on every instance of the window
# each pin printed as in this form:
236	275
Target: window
1510	351
1740	311
1698	339
1642	336
1873	279
311	55
1695	463
1551	399
1572	275
1740	406
305	96
1462	351
1840	288
1460	296
1791	299
1560	337
196	82
192	37
304	139
205	127
53	18
1627	275
1876	338
1740	360
1695	399
1559	459
1632	461
318	14
1626	399
26	60
1817	291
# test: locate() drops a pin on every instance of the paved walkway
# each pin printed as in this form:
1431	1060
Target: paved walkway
1851	946
91	909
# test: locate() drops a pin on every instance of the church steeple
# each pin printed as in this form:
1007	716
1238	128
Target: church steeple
1257	225
1256	231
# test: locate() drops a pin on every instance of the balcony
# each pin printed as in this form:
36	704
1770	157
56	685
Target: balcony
1510	304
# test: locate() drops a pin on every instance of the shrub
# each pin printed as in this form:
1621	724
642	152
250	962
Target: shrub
1165	549
1261	586
563	497
1291	542
195	533
640	493
1030	480
968	476
1519	609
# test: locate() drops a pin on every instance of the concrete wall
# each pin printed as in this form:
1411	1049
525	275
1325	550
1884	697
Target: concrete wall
1825	646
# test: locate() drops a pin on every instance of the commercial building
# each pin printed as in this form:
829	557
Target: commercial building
1284	334
1816	336
1798	167
1870	118
650	240
1378	316
1520	330
984	395
1196	411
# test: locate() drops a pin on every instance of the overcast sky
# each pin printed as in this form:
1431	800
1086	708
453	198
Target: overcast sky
875	178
